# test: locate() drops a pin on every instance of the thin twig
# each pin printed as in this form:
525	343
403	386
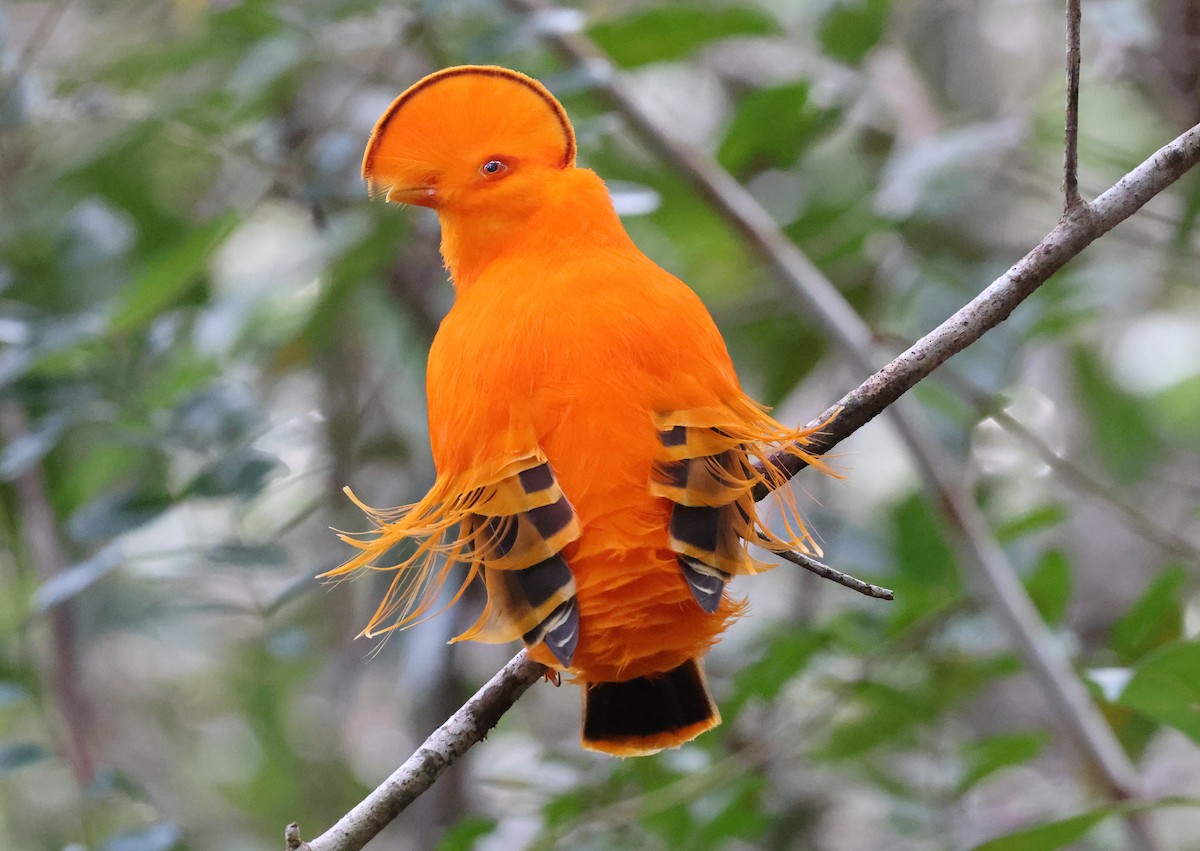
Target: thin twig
1143	524
1071	198
464	728
834	575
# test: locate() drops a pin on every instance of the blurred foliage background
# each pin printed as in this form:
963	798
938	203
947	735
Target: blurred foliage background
206	331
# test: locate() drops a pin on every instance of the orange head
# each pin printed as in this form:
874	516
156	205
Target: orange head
467	139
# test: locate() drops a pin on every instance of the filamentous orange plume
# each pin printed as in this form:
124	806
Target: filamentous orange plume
594	448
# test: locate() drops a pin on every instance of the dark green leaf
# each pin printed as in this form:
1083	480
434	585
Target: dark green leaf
242	472
462	836
70	582
159	837
168	275
674	31
248	555
1166	687
771	127
1056	834
990	755
218	416
853	27
1049	586
115	512
20	754
787	654
1034	520
1154	620
1047	837
1125	441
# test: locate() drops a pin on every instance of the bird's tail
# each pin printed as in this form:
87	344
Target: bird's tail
647	714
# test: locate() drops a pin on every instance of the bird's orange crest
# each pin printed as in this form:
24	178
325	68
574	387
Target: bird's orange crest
472	112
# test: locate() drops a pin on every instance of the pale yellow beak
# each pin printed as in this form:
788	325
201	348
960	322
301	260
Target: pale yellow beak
423	196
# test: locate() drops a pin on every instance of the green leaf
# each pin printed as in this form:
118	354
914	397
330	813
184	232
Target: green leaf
242	472
771	127
247	555
115	512
1166	687
1034	520
786	655
1047	837
990	755
1049	586
167	276
462	836
20	754
852	27
1123	436
1154	620
1056	834
883	714
674	31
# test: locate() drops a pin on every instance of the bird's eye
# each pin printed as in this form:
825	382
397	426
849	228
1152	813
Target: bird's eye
491	168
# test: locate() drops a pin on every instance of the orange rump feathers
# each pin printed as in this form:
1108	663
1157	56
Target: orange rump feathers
595	452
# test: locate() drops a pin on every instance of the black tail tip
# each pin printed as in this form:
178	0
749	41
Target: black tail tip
648	714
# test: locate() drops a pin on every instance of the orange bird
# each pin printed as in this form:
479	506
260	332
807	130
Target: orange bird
593	446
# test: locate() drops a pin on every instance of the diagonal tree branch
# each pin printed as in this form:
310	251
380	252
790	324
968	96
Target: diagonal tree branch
1078	228
468	725
1075	231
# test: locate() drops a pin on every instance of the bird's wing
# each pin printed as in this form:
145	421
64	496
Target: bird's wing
706	467
508	521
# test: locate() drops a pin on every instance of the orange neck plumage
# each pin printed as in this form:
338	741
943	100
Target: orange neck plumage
565	209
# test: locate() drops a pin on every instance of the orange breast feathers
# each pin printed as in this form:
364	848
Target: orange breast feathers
595	452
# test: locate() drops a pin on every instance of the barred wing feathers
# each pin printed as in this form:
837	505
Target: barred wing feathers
509	522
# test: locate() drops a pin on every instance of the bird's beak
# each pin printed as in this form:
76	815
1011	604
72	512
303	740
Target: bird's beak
423	196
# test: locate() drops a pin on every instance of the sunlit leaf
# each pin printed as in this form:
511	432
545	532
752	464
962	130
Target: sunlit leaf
1154	620
168	275
853	27
1166	687
1049	586
990	755
771	127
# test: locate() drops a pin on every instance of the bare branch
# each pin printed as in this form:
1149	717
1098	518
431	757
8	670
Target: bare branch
1071	198
1074	233
826	572
464	728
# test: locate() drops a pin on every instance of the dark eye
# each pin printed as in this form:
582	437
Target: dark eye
492	167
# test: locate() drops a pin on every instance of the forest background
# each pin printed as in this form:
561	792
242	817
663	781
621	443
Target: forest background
206	331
